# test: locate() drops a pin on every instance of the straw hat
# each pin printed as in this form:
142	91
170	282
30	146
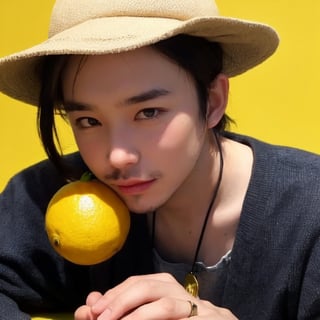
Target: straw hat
111	26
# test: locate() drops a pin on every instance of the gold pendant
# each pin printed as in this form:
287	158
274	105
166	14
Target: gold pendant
191	284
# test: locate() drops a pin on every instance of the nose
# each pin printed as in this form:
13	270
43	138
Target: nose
121	157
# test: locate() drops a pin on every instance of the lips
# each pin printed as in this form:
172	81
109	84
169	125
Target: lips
134	186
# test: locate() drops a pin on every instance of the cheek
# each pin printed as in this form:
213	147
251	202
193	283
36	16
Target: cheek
92	151
183	137
179	151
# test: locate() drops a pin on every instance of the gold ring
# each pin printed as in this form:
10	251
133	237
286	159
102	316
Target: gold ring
194	309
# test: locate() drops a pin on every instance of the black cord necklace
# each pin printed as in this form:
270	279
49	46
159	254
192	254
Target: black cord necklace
191	283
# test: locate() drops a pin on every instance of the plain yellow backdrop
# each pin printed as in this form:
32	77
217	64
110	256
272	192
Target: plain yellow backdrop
277	101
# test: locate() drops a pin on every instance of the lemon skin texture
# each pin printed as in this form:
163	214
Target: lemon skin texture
86	222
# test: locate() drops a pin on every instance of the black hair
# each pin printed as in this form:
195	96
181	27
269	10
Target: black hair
200	58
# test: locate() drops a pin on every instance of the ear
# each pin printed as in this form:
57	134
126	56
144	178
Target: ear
217	100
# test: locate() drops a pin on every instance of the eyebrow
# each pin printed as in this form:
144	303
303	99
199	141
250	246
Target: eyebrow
70	106
146	96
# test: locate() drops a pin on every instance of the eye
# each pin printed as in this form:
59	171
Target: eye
148	113
87	122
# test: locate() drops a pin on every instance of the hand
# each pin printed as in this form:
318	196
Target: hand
155	296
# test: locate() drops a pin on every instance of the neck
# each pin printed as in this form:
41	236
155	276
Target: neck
187	216
190	218
189	203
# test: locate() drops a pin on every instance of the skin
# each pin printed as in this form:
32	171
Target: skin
135	118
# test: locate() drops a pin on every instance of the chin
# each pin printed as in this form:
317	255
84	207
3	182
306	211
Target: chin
141	209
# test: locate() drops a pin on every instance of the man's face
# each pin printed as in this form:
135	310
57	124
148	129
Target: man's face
135	118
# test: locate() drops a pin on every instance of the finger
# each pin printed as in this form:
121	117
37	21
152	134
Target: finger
83	313
164	308
163	277
137	293
113	293
92	298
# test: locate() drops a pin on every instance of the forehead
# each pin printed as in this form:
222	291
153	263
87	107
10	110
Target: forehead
138	68
118	62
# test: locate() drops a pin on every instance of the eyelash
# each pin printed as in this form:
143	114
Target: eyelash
92	122
157	112
79	122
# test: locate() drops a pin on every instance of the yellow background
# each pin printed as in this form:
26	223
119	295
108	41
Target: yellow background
278	101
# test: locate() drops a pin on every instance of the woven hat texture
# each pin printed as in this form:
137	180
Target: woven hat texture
110	26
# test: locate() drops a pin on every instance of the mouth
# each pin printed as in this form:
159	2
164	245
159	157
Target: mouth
131	187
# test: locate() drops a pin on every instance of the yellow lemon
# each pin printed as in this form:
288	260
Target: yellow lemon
87	222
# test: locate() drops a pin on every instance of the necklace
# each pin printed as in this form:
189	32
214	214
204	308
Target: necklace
191	282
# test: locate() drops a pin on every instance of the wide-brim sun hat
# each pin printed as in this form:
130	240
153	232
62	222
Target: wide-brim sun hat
92	27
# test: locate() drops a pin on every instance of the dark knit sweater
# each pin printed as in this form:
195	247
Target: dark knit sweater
274	271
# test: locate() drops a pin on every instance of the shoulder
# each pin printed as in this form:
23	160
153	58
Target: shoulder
284	186
38	182
283	160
